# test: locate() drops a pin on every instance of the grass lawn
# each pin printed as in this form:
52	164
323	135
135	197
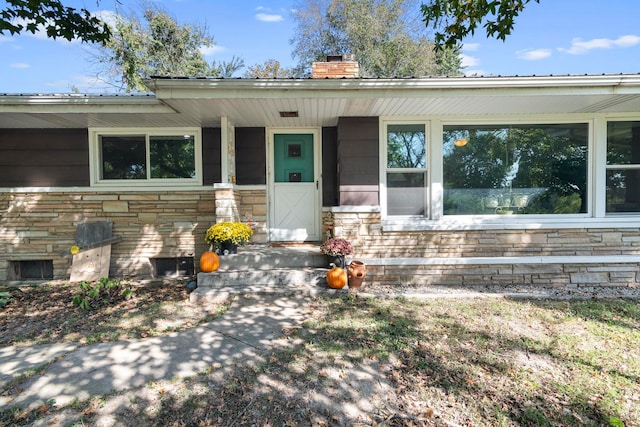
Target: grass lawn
386	361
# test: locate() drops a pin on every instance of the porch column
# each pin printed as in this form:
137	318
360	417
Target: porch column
228	151
226	203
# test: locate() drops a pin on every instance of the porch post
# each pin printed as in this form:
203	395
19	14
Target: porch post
226	203
228	151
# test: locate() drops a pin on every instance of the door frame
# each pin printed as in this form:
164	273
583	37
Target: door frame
317	174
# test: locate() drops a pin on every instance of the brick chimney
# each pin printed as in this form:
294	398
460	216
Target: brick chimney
336	67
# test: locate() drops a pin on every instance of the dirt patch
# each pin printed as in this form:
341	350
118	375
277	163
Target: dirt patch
45	314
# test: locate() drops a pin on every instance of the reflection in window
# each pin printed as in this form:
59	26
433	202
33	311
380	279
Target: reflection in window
406	193
406	169
406	146
144	157
515	169
123	157
623	167
172	156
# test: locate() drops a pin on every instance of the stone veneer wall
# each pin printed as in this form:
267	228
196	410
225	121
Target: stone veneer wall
244	205
451	256
42	226
365	232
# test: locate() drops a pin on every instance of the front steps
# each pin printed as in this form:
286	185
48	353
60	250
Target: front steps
264	269
296	269
264	257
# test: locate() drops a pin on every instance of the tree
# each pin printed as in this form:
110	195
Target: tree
226	69
386	36
158	47
271	69
456	19
57	20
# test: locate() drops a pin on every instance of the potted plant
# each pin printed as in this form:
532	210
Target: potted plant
336	249
225	237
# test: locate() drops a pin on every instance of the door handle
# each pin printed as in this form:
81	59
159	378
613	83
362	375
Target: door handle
317	184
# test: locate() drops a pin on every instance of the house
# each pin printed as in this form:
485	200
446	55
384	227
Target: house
515	180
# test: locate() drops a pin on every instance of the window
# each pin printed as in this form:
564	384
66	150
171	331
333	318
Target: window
623	167
515	169
147	157
406	169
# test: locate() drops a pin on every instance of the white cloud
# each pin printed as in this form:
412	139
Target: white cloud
469	61
211	50
107	16
20	65
265	17
628	41
578	46
470	47
533	54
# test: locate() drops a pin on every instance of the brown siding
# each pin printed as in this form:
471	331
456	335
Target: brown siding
251	156
330	166
211	153
358	171
44	158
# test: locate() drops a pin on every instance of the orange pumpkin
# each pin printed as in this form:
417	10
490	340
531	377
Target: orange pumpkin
209	261
337	278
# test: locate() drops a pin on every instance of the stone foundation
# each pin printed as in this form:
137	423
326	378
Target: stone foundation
364	230
551	272
538	257
160	224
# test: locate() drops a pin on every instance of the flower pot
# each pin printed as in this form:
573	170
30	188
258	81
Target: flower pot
227	248
339	261
356	274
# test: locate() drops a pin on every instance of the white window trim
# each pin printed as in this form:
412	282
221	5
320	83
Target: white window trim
383	165
95	158
632	166
596	167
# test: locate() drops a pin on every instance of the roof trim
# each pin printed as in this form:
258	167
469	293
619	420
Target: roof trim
405	83
208	88
83	104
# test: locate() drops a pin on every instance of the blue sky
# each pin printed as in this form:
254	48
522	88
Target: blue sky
556	37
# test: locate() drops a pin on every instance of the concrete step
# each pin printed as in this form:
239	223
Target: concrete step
272	277
260	269
263	257
219	285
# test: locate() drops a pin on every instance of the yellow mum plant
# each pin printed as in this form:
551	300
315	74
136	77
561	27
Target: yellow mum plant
237	233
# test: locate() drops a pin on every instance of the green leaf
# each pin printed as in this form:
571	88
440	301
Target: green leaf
615	422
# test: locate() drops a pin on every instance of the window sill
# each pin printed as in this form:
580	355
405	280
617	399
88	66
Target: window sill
504	223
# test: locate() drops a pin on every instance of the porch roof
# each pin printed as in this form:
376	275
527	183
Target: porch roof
201	102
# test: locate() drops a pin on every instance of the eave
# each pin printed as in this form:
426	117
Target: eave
203	102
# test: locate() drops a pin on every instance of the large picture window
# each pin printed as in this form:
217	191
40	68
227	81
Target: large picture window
515	169
147	157
623	166
406	169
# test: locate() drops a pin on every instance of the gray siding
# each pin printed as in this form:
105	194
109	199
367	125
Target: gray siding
211	149
358	161
251	156
330	166
44	158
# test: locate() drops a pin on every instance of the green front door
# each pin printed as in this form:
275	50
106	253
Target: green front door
293	158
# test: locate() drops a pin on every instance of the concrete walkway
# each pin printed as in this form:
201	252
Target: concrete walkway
246	331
